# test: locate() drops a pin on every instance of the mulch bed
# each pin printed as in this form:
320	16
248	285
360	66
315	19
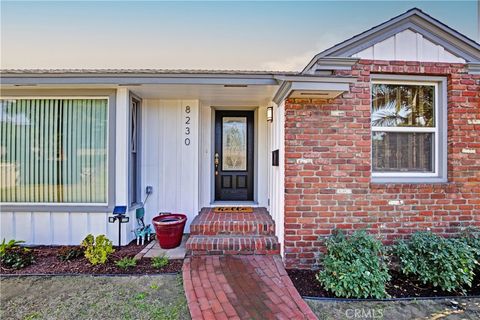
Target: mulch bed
398	287
46	262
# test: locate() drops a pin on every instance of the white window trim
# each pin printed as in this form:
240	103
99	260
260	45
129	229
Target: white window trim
59	204
440	150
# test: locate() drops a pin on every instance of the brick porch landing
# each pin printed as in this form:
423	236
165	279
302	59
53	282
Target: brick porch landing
214	233
241	287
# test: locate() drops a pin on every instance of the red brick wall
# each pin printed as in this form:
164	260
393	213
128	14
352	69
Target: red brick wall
327	146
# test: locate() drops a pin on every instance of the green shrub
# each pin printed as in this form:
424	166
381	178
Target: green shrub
69	253
97	249
440	262
159	262
126	263
353	266
471	237
14	256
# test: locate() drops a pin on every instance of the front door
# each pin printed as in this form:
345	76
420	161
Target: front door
233	157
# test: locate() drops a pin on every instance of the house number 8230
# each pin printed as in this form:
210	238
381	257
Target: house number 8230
187	125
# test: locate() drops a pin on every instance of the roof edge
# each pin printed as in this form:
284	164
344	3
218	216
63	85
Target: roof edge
413	17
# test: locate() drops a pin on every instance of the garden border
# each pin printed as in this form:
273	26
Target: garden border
12	275
388	299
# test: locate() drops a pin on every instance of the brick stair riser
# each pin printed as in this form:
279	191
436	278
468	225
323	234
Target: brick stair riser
226	228
232	252
206	246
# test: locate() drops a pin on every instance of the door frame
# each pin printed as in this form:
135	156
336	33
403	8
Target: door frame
207	145
251	147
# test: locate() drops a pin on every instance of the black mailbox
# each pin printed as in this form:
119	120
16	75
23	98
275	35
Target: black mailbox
275	158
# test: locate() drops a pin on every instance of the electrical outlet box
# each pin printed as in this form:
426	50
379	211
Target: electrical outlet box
149	190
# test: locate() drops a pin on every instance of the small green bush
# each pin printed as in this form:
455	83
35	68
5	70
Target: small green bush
353	266
471	237
97	249
440	262
14	256
159	262
69	253
126	263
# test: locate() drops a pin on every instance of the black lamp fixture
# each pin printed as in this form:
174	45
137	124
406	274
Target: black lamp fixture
270	114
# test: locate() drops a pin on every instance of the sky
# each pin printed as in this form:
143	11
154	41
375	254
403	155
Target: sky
196	35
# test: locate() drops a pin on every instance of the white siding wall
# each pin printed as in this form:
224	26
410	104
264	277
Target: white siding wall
168	164
206	148
59	228
277	174
408	46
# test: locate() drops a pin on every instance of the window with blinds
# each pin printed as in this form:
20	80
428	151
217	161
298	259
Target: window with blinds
54	150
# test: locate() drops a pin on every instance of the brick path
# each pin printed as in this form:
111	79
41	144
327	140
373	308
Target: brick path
241	287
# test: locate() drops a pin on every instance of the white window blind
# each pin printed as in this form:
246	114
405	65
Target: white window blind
54	150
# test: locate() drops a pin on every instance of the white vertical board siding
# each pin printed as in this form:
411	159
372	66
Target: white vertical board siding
42	227
169	165
408	45
79	227
263	155
6	225
60	228
23	226
205	174
277	173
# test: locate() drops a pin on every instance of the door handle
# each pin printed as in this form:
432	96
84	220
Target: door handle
216	162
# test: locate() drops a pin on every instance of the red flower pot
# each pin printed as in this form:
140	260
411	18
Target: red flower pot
169	229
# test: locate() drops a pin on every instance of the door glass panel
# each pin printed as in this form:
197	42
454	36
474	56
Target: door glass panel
234	144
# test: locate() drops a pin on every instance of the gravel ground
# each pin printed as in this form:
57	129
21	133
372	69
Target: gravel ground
464	308
87	297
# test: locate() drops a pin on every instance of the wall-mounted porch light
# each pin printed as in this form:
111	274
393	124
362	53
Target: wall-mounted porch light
270	114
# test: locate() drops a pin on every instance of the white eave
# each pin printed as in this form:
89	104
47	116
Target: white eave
312	87
133	77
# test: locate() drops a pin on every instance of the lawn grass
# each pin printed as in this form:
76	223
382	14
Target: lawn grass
87	297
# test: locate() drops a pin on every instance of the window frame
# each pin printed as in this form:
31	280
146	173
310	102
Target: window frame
138	151
439	174
108	95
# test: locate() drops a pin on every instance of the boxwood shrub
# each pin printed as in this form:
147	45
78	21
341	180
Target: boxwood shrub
354	266
445	263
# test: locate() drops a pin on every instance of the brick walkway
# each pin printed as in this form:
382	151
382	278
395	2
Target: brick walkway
241	287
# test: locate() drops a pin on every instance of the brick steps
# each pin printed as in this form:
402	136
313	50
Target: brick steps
211	223
232	244
214	233
232	227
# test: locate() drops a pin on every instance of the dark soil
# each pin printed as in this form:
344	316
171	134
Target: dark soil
398	287
47	262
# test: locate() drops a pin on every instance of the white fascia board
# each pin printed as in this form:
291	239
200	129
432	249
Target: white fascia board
289	86
474	68
331	63
137	80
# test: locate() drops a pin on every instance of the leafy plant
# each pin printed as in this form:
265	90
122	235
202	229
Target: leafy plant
441	262
471	237
354	266
126	263
160	261
389	116
97	249
14	256
69	253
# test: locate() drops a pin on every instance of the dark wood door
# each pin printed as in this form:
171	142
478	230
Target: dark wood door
233	158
